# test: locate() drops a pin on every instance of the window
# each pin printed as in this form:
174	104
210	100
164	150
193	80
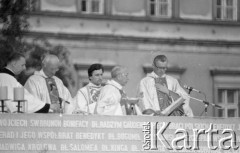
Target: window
226	85
228	98
91	6
160	8
226	9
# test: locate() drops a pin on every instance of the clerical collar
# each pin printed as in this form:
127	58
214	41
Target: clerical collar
7	71
93	85
115	84
43	74
155	75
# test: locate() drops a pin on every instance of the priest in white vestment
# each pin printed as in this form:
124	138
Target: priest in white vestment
87	96
15	65
109	101
153	93
49	88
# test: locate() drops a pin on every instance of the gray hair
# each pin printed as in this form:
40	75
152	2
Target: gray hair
116	71
49	58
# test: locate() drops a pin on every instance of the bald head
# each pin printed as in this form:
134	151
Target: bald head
120	75
50	65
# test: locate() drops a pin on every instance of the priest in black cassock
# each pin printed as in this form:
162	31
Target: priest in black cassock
15	65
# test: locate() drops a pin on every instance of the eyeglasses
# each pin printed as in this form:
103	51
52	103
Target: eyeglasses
125	74
160	67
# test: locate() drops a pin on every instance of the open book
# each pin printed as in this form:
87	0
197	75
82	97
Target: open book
174	105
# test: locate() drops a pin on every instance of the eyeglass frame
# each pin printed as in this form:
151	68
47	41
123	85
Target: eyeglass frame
160	68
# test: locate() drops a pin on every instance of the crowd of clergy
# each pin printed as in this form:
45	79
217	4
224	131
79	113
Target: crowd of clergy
46	93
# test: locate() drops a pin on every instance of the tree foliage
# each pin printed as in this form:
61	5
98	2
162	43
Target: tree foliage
37	49
14	15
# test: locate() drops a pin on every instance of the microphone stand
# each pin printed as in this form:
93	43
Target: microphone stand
60	99
206	104
60	102
205	109
189	91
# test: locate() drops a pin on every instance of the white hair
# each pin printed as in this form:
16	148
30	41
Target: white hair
116	71
49	58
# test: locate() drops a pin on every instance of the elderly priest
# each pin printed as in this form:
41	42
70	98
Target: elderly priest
49	88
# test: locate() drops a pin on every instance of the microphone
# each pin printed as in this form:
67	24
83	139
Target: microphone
51	86
191	89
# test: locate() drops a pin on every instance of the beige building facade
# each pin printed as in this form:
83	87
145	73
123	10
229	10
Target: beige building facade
201	38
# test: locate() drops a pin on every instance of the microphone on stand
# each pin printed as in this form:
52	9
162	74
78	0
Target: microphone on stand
191	89
206	102
51	86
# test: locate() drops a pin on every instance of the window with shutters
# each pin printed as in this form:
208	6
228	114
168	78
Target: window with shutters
160	8
91	6
226	10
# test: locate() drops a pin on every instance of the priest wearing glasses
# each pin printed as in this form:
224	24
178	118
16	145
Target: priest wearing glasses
158	88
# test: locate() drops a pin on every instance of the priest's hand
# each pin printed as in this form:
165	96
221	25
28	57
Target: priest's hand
123	101
162	88
55	107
